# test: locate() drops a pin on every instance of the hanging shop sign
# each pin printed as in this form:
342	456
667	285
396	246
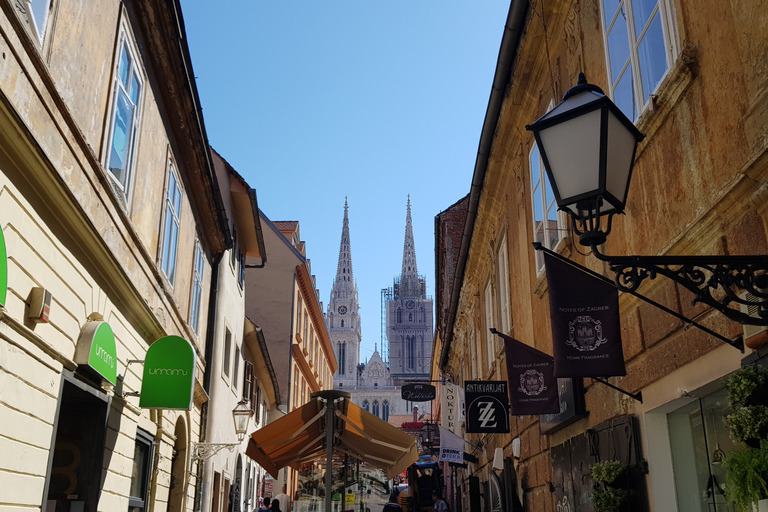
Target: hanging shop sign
96	350
532	387
586	330
169	374
450	396
3	270
418	392
487	406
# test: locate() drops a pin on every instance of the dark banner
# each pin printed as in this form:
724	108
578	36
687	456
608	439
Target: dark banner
487	406
586	332
418	392
532	384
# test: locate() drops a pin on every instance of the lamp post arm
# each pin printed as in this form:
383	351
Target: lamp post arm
730	275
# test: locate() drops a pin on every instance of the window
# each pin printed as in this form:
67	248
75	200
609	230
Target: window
385	410
698	440
342	358
197	288
638	50
227	356
503	283
124	116
366	406
375	407
142	464
298	319
35	12
489	341
410	351
236	369
548	224
171	227
241	269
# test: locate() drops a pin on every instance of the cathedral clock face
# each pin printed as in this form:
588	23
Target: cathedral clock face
342	310
410	304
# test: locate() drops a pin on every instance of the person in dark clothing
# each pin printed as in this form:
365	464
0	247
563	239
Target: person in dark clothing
392	506
275	507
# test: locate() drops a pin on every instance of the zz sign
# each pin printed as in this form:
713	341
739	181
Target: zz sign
487	406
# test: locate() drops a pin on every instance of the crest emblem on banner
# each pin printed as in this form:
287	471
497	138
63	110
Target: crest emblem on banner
532	383
585	333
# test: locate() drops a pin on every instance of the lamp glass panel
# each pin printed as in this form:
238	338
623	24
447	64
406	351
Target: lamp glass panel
572	149
568	104
621	149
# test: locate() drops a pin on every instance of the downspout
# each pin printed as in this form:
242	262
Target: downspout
210	336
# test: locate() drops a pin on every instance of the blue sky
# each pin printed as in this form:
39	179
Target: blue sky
315	101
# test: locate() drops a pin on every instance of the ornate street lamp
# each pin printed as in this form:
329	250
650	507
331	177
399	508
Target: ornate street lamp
588	149
241	415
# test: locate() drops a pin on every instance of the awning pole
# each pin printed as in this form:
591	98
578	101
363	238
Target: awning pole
330	406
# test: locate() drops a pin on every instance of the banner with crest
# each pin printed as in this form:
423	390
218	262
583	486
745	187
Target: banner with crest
533	387
586	331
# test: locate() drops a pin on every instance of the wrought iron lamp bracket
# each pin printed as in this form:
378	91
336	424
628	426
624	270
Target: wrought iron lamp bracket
204	451
728	276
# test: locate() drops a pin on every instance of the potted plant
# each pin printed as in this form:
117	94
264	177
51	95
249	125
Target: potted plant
607	498
749	424
746	480
748	386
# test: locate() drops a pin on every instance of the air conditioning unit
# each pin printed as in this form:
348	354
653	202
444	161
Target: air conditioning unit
755	336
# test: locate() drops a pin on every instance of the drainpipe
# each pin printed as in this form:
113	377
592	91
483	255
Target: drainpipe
210	337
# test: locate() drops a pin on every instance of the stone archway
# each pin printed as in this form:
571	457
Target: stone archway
178	484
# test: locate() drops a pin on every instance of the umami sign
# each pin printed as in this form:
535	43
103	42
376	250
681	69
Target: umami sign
169	374
96	349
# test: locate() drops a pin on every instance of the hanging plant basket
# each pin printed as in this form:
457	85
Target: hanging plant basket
748	386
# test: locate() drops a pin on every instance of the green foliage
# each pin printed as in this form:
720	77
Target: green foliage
749	424
748	386
607	471
746	477
608	499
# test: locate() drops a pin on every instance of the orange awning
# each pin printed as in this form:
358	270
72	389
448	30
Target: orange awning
299	437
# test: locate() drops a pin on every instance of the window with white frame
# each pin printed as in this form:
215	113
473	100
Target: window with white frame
227	355
490	343
197	288
639	47
35	13
171	225
236	368
502	275
124	118
548	224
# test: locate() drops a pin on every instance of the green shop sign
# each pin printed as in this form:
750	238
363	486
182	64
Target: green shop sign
3	269
169	374
96	349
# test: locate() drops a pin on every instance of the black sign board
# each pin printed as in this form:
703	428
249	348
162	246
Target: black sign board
418	392
487	406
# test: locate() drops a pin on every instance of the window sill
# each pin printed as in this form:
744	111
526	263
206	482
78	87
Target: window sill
668	93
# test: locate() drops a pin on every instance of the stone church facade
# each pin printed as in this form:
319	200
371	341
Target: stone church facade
375	384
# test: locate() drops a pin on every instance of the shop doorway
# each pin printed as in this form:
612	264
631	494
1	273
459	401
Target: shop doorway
699	439
75	464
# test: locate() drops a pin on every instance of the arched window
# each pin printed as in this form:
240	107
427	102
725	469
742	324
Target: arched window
410	351
385	410
410	317
342	323
375	407
342	358
399	315
366	406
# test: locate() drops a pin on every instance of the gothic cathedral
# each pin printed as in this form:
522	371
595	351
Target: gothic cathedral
375	385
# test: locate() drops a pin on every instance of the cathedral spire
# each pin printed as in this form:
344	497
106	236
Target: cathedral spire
409	275
344	278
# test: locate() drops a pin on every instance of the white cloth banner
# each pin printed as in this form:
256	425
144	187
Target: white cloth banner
452	407
451	446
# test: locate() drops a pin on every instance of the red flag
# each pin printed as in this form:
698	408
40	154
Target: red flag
586	330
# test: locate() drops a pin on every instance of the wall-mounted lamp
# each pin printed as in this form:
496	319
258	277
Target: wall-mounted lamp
241	415
588	149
